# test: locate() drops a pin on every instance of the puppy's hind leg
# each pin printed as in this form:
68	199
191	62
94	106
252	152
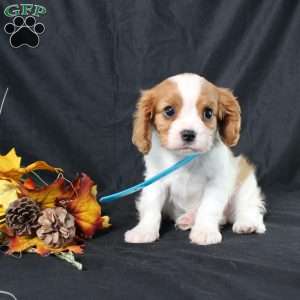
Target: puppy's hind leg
186	221
247	207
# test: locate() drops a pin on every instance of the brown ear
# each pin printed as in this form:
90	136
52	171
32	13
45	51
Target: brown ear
229	114
141	136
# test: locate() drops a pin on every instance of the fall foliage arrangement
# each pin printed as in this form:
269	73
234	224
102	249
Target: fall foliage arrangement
55	218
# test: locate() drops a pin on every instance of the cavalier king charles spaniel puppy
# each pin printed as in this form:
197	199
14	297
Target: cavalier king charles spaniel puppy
186	114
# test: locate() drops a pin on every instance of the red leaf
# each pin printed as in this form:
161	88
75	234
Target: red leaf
29	184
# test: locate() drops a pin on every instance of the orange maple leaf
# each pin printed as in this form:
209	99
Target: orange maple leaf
23	243
85	207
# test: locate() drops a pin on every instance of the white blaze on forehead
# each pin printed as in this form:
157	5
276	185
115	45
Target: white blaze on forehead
189	86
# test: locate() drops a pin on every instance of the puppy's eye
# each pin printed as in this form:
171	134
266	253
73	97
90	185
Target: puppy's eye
208	113
169	111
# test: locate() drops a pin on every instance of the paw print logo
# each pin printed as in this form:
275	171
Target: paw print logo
24	32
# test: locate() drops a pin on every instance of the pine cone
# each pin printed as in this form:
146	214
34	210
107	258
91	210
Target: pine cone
57	227
22	216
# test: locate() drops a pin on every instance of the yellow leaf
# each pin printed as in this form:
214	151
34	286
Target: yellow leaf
94	191
16	174
8	193
2	211
10	161
105	222
10	166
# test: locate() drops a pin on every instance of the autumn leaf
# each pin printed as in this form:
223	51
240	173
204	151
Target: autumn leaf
3	226
10	166
49	195
10	175
85	207
40	165
105	222
23	243
16	174
6	230
44	250
29	184
10	161
2	216
8	193
79	199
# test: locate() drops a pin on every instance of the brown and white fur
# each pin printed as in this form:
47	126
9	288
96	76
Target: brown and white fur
215	188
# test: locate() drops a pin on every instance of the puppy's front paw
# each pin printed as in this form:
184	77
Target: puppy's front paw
141	235
205	236
247	227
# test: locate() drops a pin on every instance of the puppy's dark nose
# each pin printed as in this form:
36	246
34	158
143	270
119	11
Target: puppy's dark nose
188	135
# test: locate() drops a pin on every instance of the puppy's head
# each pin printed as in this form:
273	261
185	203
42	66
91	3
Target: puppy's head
189	114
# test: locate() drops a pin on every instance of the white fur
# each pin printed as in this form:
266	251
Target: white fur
203	194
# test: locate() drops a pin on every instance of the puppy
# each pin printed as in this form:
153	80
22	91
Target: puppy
185	114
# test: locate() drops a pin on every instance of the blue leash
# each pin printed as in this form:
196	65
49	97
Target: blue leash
140	186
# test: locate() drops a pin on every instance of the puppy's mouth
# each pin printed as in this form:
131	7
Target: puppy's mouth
190	149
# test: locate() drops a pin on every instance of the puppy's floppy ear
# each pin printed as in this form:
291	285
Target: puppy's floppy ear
141	136
229	117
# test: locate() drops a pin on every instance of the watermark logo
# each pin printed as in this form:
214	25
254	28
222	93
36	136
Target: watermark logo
24	29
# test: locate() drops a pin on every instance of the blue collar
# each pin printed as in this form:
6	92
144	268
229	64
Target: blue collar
140	186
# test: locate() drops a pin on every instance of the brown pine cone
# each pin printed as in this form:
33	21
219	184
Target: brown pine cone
57	227
22	216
